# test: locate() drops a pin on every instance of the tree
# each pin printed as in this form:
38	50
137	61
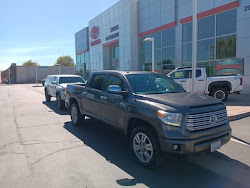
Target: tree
30	63
65	61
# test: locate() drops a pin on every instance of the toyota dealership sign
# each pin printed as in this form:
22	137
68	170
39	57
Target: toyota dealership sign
94	34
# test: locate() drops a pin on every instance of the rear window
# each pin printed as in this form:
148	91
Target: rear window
64	80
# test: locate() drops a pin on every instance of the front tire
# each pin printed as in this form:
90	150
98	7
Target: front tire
145	147
75	114
220	93
47	97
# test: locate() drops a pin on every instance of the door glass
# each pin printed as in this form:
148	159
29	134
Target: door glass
115	80
97	81
56	80
178	75
188	73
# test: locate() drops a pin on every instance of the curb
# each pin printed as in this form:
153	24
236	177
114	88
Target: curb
238	117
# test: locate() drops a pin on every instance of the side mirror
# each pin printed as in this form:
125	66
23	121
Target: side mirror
53	82
115	89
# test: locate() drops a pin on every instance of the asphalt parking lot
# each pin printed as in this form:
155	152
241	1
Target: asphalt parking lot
39	147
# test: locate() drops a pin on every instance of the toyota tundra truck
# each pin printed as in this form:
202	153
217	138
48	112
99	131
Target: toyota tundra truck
155	112
218	86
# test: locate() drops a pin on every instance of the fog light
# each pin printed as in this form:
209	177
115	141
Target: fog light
175	147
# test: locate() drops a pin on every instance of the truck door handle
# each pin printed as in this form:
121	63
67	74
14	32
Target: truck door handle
183	81
104	98
200	80
84	92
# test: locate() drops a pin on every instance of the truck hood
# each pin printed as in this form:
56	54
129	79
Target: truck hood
182	99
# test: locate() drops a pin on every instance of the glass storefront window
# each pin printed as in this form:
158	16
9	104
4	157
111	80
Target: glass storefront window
148	58
142	58
168	37
116	49
216	40
158	57
210	67
187	52
187	32
206	27
205	50
168	55
157	38
78	61
226	22
87	56
142	44
82	58
226	47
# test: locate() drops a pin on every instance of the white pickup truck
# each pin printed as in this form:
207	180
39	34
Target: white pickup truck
55	86
218	86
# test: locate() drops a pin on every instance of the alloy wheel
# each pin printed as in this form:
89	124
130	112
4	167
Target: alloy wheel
143	147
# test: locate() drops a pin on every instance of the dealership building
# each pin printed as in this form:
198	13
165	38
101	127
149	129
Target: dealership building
114	39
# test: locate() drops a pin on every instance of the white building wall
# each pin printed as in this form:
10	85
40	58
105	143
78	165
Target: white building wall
124	14
243	40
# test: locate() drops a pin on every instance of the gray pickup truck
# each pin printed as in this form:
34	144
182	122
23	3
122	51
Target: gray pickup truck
156	113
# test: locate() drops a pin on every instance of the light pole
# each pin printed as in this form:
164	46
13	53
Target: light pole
153	51
194	56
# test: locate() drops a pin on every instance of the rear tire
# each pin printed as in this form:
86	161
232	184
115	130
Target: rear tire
75	114
220	93
145	147
59	102
47	97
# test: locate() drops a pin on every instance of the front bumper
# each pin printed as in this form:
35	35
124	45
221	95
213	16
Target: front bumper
192	146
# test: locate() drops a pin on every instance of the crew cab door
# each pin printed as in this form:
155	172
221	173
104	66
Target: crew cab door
91	96
200	81
184	78
113	106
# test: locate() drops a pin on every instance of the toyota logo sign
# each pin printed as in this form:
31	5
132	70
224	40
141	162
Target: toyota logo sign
213	119
95	32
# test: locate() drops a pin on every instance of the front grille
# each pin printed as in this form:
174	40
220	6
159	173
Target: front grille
196	122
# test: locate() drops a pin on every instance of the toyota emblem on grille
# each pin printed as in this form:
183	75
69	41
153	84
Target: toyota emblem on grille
213	119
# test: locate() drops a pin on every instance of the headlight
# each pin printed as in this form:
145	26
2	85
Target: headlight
170	118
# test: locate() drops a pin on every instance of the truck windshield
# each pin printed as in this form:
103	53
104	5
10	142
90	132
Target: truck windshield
153	84
64	80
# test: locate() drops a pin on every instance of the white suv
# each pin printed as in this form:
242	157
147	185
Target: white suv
55	86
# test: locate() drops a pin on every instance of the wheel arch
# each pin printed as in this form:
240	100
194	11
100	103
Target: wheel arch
136	122
72	101
224	84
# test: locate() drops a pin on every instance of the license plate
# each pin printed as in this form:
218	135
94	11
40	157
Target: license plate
215	145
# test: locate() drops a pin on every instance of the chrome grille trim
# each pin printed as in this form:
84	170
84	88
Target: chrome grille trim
202	121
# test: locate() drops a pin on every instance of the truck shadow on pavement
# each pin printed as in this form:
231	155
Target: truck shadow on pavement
173	172
52	106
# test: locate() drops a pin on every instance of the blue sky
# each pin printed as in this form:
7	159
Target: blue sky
43	30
